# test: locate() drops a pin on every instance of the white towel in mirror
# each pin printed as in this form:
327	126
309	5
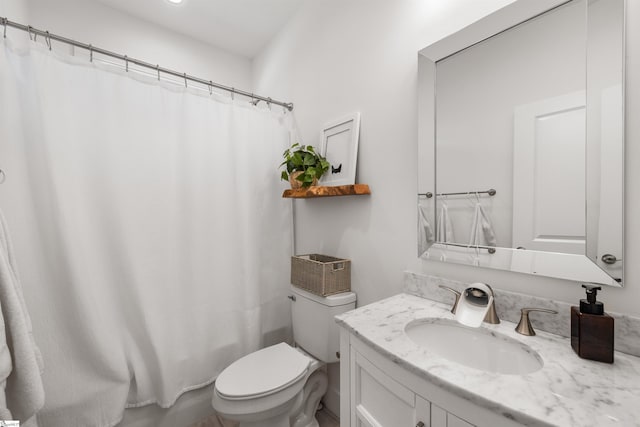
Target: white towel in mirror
444	228
425	230
482	232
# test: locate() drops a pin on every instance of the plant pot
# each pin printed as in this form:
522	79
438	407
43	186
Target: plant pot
295	184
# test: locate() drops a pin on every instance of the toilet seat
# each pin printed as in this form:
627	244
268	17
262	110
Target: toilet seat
262	373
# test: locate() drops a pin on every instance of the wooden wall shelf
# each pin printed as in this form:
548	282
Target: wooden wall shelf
320	191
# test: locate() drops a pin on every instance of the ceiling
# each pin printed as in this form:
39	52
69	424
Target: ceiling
242	27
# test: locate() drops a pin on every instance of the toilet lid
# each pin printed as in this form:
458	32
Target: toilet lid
263	372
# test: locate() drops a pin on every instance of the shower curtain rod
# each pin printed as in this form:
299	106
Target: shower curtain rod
92	49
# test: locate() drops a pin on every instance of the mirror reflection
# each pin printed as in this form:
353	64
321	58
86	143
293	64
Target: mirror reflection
529	147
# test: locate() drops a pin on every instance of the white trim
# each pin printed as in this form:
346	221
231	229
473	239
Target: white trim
509	16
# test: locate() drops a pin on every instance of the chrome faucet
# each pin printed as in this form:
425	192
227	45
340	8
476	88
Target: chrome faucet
492	315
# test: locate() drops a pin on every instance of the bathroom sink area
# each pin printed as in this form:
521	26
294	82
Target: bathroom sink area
528	380
477	348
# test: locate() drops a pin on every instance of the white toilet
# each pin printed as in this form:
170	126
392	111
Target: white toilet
281	386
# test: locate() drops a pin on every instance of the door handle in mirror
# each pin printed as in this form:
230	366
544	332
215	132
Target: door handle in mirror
609	259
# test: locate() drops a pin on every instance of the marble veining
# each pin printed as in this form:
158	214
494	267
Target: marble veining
567	391
508	305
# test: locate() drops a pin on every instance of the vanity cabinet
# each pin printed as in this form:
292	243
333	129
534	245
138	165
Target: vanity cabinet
376	392
380	401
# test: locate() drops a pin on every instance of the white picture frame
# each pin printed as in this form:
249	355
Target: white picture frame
339	145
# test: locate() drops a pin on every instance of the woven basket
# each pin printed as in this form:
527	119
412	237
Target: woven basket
321	274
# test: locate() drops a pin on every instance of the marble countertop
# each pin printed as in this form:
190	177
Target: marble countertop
567	391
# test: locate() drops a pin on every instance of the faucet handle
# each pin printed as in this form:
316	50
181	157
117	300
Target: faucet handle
457	295
524	326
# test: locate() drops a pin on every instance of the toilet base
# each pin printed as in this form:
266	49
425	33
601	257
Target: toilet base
304	415
281	420
278	416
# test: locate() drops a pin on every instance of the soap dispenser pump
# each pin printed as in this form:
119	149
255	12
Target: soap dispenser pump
592	328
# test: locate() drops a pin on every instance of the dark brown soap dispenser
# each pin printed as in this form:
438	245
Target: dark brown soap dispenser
592	328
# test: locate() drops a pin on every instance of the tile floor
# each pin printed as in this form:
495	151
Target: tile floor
326	419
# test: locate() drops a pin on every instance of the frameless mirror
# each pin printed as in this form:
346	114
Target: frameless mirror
521	142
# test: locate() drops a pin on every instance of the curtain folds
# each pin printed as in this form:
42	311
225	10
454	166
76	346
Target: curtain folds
149	229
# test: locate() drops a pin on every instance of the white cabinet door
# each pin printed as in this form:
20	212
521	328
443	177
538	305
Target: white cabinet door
438	416
442	418
453	421
379	401
423	412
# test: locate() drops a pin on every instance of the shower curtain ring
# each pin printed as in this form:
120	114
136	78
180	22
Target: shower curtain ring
158	71
47	40
210	87
185	79
233	93
90	53
29	32
126	63
4	22
269	103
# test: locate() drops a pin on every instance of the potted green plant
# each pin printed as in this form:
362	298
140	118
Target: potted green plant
303	165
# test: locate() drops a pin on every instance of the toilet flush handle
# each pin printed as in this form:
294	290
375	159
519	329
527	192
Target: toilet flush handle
292	297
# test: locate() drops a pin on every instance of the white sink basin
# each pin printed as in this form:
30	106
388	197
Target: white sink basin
477	348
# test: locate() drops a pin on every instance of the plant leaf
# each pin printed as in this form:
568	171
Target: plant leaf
296	159
303	158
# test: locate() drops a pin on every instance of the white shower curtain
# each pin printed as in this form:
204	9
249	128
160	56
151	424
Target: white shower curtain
149	228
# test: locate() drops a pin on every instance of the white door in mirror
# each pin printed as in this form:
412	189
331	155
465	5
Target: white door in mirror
549	175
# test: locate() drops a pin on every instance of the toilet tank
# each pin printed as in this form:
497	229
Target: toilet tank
314	327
